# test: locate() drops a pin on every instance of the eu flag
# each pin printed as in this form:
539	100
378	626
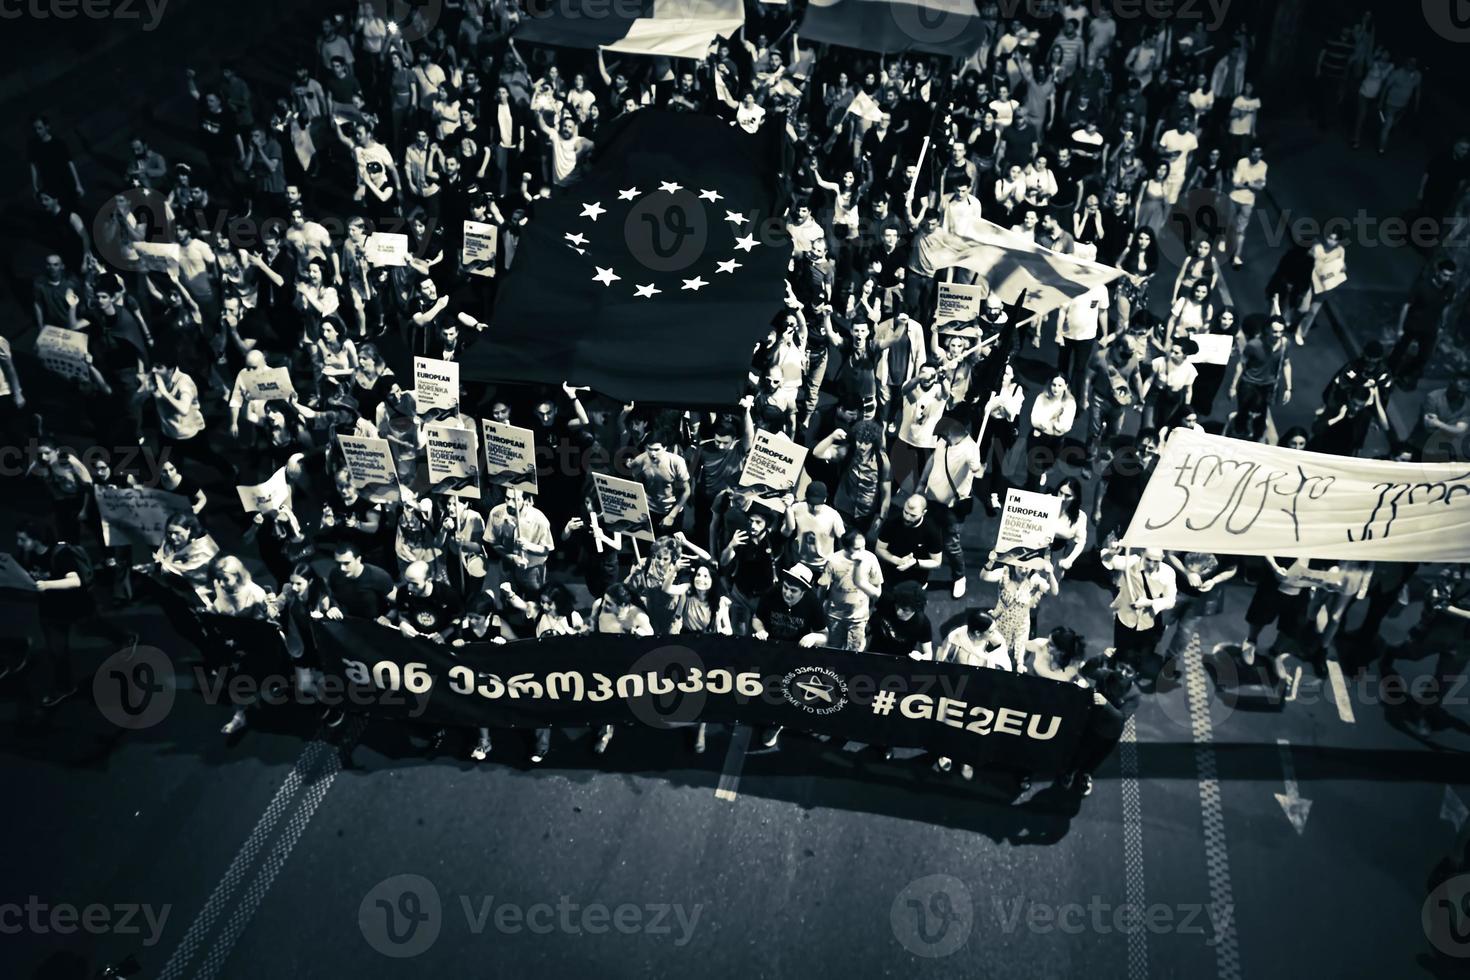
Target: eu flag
654	276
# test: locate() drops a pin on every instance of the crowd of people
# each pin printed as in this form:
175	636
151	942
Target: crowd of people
1081	132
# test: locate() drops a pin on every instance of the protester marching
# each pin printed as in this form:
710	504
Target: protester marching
526	326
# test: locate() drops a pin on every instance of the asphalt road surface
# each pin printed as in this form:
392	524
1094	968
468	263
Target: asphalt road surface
1218	843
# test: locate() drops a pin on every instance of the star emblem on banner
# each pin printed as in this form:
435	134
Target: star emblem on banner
631	254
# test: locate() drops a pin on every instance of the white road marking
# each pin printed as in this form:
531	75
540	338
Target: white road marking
1339	692
1295	807
311	798
224	891
1212	813
734	762
1133	880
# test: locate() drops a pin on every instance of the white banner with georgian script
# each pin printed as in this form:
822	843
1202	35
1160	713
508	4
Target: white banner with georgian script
1231	497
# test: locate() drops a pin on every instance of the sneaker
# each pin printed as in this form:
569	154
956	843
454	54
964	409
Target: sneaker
481	751
995	501
958	589
772	737
1248	653
600	746
543	746
699	740
943	764
1237	263
1025	784
234	725
887	755
1086	785
56	697
967	770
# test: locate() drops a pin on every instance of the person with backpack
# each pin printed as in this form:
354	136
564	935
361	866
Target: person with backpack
63	573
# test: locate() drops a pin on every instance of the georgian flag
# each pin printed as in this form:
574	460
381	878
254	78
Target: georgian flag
673	28
1012	264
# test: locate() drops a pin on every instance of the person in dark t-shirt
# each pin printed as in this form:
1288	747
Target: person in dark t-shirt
423	607
901	628
357	588
790	612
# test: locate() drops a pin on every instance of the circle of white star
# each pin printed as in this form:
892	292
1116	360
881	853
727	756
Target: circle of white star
607	276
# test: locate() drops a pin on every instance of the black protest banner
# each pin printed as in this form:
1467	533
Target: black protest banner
970	714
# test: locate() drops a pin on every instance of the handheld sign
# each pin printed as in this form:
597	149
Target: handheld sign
452	453
263	384
477	256
1214	348
269	497
510	456
624	506
436	389
136	515
957	301
1027	523
772	468
387	248
64	352
371	468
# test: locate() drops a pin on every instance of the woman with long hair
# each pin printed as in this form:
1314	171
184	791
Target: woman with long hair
236	593
1021	589
1139	262
334	359
1052	415
1169	387
1209	377
1059	656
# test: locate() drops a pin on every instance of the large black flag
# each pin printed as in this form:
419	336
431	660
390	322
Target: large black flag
653	277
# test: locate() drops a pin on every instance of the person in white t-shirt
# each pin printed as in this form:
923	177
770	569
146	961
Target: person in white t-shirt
1176	146
567	150
1244	110
1246	181
922	402
1081	323
813	514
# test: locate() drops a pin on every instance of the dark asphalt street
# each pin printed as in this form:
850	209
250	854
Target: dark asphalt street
305	853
